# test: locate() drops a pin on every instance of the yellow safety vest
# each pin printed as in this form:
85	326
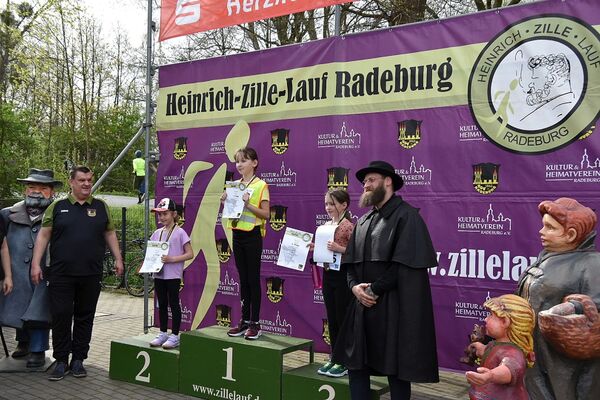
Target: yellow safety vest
247	221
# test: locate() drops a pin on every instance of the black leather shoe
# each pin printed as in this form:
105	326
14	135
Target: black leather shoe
36	360
22	350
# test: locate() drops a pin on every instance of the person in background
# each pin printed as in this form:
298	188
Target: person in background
139	170
26	307
79	229
248	232
168	279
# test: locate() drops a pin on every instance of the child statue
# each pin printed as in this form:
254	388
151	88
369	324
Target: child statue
505	359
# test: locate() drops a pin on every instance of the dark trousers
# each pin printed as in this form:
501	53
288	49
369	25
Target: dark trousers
167	294
139	184
73	301
336	296
360	383
247	249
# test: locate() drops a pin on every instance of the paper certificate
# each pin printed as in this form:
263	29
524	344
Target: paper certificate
294	249
323	235
335	265
154	251
234	203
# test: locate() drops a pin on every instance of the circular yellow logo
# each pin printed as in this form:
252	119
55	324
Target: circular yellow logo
536	86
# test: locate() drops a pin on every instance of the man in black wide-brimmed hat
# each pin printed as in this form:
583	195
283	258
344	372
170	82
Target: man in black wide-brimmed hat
389	327
26	307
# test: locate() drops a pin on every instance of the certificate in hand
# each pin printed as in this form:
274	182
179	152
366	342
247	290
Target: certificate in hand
154	251
294	249
234	204
323	235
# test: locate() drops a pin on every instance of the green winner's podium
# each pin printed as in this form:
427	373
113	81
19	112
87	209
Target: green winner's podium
133	360
213	365
305	383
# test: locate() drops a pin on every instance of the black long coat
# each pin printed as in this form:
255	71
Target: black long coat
391	248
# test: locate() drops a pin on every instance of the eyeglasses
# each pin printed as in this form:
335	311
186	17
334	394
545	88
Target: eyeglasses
371	180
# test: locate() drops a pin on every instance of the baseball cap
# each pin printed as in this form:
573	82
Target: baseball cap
165	204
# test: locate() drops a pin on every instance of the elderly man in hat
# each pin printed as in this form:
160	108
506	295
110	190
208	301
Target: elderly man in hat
26	307
389	327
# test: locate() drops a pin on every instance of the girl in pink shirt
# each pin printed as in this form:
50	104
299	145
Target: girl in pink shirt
168	279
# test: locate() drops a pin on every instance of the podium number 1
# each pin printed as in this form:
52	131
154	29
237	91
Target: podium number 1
229	369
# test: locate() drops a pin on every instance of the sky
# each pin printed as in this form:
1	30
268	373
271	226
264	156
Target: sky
129	15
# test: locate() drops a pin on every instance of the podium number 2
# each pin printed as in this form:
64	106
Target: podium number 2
229	368
330	391
139	376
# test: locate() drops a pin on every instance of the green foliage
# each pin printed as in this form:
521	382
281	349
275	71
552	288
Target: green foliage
98	145
16	146
134	224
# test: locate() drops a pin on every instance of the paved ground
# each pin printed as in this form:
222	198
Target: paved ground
121	201
120	315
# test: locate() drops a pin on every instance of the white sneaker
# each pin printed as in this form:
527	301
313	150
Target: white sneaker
159	340
172	342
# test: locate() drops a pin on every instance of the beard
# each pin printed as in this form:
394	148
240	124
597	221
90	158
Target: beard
372	198
36	204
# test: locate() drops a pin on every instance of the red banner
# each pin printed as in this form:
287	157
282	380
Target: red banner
184	17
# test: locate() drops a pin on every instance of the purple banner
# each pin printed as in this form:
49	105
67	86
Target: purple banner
484	116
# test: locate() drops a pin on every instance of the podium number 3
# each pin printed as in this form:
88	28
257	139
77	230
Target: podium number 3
330	391
229	368
139	376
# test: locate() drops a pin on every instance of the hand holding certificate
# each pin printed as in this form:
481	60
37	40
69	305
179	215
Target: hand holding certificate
154	251
294	249
234	203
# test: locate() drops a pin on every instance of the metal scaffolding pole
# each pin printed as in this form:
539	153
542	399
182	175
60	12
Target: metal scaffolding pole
118	159
147	124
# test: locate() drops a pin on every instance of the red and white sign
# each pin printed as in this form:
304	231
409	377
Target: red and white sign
184	17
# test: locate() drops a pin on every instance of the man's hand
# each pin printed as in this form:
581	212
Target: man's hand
119	267
362	296
36	273
7	285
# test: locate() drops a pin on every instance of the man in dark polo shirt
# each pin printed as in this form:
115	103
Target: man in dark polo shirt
78	228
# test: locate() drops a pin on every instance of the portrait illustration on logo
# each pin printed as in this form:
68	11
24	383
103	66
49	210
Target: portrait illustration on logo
535	87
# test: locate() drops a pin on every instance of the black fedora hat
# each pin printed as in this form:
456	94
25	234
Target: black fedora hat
383	168
43	176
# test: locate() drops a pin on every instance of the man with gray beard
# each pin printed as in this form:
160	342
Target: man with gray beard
389	328
26	308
